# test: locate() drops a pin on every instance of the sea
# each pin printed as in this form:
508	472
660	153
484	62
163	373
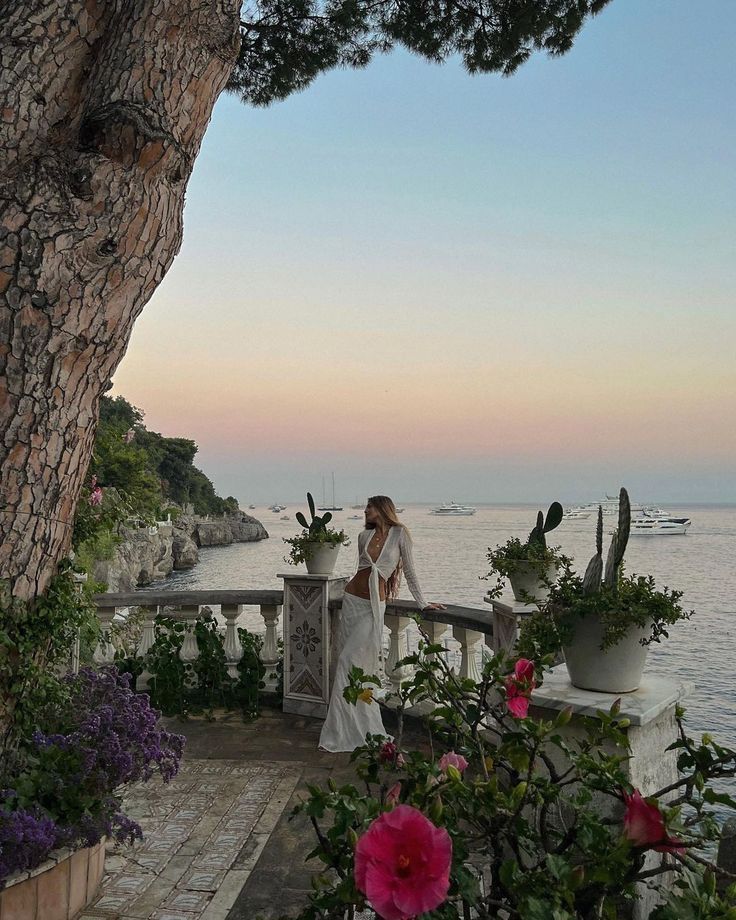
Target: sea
450	558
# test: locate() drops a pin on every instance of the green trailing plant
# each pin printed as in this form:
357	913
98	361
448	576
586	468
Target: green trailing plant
548	816
182	688
315	533
515	556
36	640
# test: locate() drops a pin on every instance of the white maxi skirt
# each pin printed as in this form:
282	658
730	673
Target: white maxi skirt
359	635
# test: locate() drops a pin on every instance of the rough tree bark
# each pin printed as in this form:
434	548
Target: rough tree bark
103	106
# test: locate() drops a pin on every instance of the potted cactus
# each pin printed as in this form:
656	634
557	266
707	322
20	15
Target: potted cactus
318	545
606	620
530	567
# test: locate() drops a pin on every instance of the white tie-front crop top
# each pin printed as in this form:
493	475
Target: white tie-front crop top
397	546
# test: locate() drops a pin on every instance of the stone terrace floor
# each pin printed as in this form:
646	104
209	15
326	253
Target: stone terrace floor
218	841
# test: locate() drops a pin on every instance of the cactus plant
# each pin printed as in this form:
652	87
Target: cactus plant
545	525
317	524
315	533
517	559
594	574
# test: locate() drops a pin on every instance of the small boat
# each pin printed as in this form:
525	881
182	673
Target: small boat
400	510
355	517
252	507
453	509
576	514
285	517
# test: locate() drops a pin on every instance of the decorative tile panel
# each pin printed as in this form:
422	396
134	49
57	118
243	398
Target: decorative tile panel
307	643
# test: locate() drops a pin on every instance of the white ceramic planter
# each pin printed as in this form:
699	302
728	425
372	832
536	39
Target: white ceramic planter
526	583
323	559
617	669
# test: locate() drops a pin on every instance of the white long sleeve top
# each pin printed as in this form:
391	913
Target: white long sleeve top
397	546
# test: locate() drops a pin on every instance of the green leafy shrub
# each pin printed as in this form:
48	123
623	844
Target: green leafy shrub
177	687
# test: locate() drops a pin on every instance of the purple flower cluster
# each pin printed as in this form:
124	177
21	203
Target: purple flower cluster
26	837
105	736
113	731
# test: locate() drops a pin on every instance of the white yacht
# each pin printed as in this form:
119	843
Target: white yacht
656	522
609	505
453	508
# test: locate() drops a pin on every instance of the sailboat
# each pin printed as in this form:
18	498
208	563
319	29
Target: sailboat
324	506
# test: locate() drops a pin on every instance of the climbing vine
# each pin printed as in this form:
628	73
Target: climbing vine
36	640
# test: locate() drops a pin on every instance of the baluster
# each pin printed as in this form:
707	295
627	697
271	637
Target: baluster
233	648
189	650
104	652
270	650
398	649
470	641
148	637
435	631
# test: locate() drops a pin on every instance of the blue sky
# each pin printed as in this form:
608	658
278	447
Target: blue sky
487	287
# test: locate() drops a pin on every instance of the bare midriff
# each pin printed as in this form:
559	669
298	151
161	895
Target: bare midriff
358	585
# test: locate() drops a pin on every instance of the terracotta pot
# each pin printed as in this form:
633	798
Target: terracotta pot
58	889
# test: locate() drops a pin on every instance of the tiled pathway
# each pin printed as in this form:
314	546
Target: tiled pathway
203	834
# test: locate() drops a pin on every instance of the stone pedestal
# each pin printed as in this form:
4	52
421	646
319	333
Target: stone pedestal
307	641
508	615
651	712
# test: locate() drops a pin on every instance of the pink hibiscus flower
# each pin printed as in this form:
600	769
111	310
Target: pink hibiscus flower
402	864
644	825
451	759
519	686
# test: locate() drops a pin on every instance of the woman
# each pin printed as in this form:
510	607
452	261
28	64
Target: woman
384	551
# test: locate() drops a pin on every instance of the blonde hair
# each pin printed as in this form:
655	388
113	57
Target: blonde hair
390	518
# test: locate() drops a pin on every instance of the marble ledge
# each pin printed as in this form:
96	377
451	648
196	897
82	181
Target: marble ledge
305	576
654	696
510	606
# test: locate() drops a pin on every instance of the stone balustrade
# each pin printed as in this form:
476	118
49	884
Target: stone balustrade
471	628
186	606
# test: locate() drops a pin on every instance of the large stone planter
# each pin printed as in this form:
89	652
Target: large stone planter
323	559
617	669
528	586
58	889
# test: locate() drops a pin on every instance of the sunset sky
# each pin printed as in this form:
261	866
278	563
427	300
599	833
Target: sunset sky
442	286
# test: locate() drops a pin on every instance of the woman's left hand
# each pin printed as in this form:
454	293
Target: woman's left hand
434	607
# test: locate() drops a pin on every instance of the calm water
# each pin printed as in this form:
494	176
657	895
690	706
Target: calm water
450	556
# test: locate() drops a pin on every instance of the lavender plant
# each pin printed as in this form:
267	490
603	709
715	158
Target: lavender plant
64	790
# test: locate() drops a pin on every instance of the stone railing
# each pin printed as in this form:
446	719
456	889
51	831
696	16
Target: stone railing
471	628
185	606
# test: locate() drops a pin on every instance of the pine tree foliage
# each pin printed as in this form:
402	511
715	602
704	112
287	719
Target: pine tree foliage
287	43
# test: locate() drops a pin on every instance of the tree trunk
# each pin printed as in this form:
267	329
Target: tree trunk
103	106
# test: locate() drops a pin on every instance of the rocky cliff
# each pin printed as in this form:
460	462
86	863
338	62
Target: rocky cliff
148	554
